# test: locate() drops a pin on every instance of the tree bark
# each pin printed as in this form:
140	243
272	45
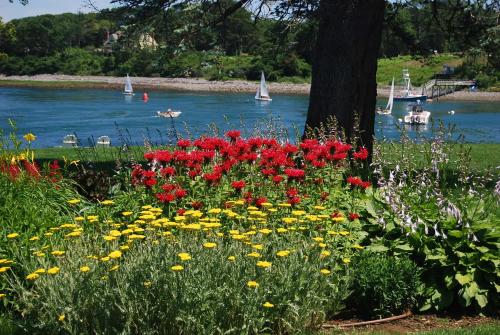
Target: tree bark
345	66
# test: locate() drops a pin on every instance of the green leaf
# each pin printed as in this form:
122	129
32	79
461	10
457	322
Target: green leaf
483	249
404	247
376	248
463	279
435	257
455	233
482	300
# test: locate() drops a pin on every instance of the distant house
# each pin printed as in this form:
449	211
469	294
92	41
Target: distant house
142	41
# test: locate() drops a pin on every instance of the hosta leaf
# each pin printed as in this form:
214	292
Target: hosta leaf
463	279
377	248
435	257
404	247
455	233
482	300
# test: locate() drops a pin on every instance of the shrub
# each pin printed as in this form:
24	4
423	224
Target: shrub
383	285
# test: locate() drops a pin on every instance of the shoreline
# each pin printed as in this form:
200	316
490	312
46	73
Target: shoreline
195	85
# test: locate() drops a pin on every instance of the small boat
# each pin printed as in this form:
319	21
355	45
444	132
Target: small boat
388	109
70	141
407	94
128	90
417	115
169	113
262	91
104	141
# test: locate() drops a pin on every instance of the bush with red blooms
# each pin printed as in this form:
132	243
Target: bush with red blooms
196	172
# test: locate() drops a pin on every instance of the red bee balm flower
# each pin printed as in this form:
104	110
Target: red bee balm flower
238	185
233	134
361	155
295	173
353	216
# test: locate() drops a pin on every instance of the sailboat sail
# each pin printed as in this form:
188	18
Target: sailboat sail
128	85
391	97
263	87
257	95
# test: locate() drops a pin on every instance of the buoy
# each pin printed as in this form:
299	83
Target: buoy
451	112
145	96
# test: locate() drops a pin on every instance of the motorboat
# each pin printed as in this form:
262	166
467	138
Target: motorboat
70	141
417	115
104	141
169	113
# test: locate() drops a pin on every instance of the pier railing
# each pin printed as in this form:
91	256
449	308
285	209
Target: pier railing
438	87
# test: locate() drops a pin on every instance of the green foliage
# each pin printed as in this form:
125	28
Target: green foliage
383	285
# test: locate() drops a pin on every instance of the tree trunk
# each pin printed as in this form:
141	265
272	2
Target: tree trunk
344	67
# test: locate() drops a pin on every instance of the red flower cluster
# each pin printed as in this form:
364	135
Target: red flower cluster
355	181
361	154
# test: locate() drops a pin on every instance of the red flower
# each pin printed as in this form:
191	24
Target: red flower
365	184
324	196
277	179
32	169
294	200
259	201
336	215
149	156
295	173
167	171
183	143
165	197
238	184
292	192
353	216
180	193
354	181
197	204
362	154
181	211
233	134
150	182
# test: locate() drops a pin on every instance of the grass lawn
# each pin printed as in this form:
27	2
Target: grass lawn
483	156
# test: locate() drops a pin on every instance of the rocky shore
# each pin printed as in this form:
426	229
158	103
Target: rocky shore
194	84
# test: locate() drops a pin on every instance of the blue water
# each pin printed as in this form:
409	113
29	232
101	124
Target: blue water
51	114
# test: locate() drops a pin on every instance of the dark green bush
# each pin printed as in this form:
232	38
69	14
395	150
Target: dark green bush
383	285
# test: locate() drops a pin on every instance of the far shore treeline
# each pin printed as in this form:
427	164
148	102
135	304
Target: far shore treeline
177	45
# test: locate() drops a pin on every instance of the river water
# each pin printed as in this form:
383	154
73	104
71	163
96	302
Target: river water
89	113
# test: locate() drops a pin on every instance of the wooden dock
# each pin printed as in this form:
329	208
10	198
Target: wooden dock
438	87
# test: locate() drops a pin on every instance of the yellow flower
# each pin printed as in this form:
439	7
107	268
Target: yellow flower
32	276
5	261
84	269
322	245
105	259
320	208
73	201
325	271
254	254
318	239
40	271
53	271
115	254
2	295
114	268
344	233
58	252
177	268
62	317
357	246
107	202
252	284
124	247
39	254
127	213
79	218
29	137
258	246
298	213
184	256
281	230
34	238
75	233
346	260
209	245
284	205
267	304
324	253
264	264
283	253
136	237
147	284
265	231
13	235
4	269
109	238
231	258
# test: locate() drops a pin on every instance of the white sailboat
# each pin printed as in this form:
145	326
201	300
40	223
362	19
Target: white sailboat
262	92
128	87
388	109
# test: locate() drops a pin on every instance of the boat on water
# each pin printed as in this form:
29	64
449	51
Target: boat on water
128	90
169	113
388	109
104	141
70	141
407	93
417	115
262	91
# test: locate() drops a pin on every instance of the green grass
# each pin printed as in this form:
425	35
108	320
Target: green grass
483	156
421	69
